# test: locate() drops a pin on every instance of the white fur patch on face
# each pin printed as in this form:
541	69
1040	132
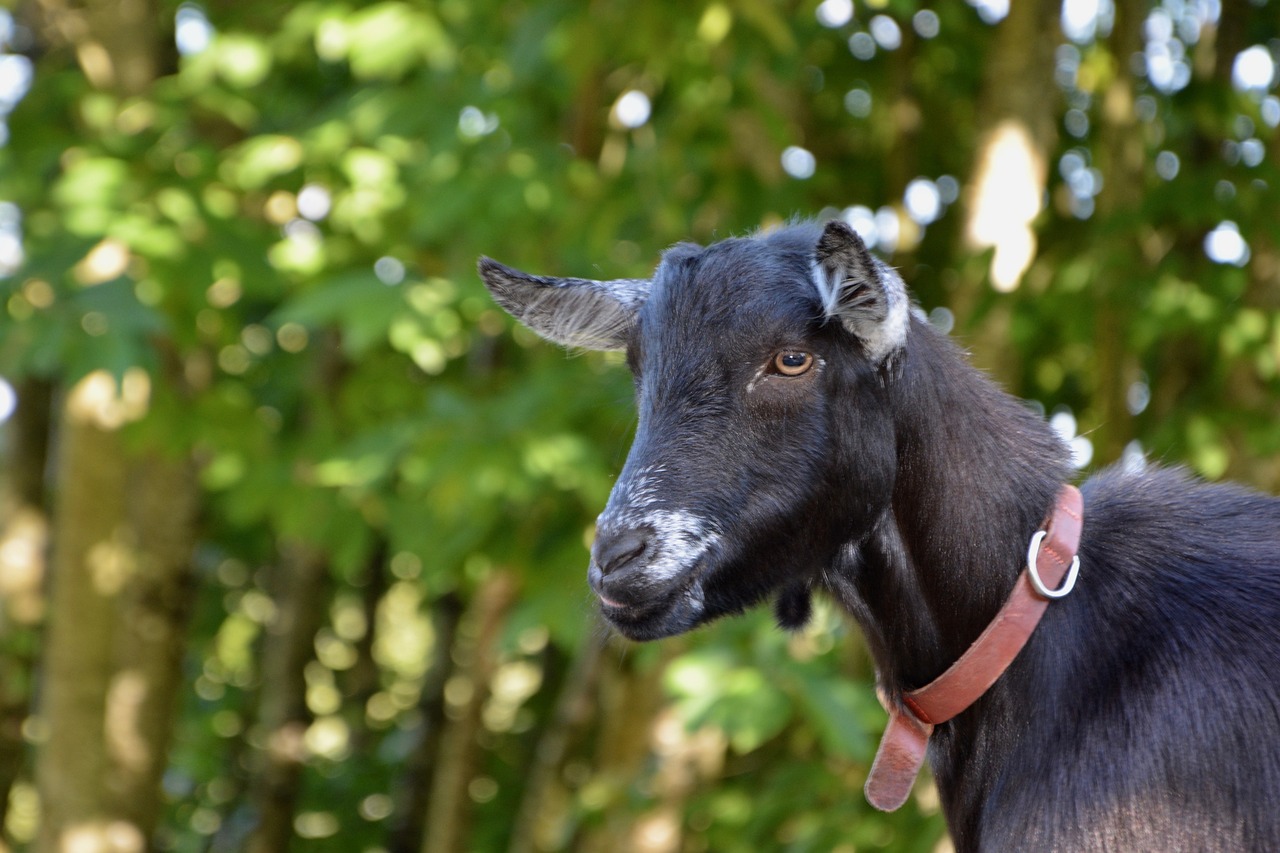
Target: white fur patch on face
631	499
680	538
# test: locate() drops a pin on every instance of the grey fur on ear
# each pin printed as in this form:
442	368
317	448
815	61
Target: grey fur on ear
574	312
861	291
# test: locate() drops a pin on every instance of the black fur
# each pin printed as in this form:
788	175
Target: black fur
1144	712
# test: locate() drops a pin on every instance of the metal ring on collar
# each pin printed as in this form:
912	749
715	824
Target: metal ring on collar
1033	553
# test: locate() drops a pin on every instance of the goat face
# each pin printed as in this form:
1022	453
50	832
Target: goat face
765	442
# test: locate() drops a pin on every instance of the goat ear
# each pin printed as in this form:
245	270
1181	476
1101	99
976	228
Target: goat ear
862	292
575	312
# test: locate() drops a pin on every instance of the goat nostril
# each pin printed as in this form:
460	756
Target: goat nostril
617	551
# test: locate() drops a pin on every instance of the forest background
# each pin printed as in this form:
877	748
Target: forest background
293	523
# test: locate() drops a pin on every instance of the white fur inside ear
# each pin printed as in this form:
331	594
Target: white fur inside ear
889	335
876	309
828	287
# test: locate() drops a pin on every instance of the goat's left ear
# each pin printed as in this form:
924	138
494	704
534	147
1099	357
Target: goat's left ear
862	292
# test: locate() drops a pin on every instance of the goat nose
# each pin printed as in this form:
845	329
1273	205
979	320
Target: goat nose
618	550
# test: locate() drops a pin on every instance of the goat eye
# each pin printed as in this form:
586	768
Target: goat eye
792	362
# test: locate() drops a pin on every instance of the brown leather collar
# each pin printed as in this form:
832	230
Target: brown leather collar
911	721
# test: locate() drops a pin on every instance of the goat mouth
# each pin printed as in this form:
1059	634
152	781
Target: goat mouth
674	611
620	612
610	604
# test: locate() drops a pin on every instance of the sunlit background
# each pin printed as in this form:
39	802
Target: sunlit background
260	265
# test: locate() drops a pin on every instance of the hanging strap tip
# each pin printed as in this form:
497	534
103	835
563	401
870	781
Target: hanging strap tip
898	761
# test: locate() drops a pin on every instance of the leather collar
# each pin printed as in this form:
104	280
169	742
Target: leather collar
1051	558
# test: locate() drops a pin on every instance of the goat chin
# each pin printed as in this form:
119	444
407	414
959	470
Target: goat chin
666	620
655	613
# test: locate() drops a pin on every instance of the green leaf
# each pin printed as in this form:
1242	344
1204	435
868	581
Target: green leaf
355	301
839	709
738	700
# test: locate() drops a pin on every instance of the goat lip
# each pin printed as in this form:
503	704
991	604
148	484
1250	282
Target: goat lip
631	619
610	604
620	612
669	615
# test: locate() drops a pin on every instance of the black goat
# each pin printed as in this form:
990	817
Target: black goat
800	430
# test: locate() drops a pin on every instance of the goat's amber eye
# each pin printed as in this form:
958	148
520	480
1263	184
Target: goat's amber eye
792	362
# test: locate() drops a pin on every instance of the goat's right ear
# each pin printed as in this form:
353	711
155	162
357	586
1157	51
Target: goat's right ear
574	312
862	292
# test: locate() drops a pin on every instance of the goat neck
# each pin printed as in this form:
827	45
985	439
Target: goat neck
977	472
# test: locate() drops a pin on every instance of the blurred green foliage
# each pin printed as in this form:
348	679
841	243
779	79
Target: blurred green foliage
280	234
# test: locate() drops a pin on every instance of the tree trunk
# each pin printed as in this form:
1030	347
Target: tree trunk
630	699
116	42
283	718
362	679
123	537
92	561
449	809
1016	134
153	613
1245	390
24	535
1121	157
406	833
536	825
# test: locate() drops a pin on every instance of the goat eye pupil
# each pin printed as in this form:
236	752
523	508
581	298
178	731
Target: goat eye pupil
793	363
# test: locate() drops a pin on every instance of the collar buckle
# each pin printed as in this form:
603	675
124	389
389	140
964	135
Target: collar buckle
1033	570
